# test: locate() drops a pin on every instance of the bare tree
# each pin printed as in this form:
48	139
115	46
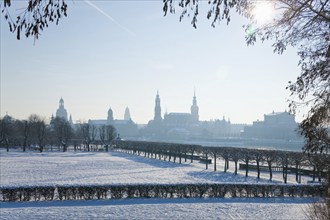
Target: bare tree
6	131
111	134
23	128
89	134
63	131
39	130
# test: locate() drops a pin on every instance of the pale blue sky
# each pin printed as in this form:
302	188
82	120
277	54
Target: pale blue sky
121	58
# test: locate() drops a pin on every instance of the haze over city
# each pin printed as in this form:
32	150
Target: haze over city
118	54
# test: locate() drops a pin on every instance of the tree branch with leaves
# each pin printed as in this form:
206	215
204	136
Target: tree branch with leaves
35	17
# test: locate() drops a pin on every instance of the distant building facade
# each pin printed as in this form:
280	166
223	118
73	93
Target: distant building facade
61	111
183	125
126	127
188	126
276	125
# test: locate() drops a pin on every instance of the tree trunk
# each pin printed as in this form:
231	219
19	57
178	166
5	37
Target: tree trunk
7	145
207	165
24	145
225	167
297	172
247	167
215	162
258	169
328	192
319	174
286	173
270	170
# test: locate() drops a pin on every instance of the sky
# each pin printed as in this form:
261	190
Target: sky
118	54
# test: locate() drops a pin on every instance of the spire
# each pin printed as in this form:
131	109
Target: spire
110	116
70	119
194	98
194	108
157	116
61	102
127	115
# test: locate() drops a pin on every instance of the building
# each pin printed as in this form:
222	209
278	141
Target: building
183	125
276	125
61	111
126	127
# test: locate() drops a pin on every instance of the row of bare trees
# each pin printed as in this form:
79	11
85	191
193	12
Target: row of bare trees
35	131
285	161
179	190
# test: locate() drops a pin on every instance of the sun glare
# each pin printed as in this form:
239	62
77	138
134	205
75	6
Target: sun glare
263	12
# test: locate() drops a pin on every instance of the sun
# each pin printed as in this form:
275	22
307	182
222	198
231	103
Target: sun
263	12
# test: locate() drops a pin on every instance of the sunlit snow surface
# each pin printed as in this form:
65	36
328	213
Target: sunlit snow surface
50	168
232	208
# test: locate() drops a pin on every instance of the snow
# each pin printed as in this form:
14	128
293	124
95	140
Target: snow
58	168
233	208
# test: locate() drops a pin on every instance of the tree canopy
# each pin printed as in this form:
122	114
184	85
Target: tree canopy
37	15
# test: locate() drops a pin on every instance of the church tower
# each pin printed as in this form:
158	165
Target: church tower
127	115
157	117
194	109
61	111
110	116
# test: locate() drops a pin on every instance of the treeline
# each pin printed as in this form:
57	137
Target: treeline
35	131
201	190
286	160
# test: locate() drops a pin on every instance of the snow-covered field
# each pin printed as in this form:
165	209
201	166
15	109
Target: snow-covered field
233	208
50	168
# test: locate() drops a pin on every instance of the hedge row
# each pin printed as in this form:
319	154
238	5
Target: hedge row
27	193
159	191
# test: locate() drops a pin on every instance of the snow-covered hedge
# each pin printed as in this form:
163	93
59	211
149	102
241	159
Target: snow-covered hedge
81	192
27	193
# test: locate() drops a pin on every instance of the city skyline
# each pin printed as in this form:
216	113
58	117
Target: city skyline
121	53
123	114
